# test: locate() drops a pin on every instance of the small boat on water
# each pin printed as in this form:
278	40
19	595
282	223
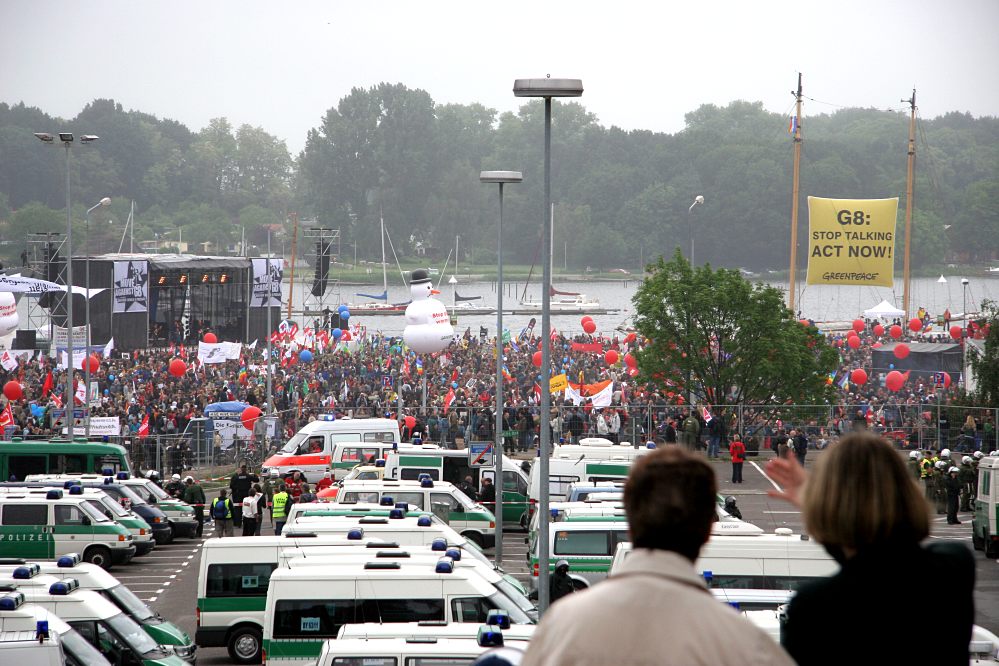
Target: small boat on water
563	303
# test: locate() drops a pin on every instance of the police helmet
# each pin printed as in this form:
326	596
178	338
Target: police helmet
941	464
953	470
966	460
188	479
945	453
978	455
175	477
152	474
562	564
915	455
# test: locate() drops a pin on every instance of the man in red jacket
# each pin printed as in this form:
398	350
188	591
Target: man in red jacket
738	452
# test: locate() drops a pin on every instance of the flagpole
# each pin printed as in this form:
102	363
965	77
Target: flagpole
270	406
794	197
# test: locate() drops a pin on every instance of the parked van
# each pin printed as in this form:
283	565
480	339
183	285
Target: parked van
452	466
359	510
47	524
91	577
565	471
180	515
601	449
371	630
307	606
142	533
313	451
116	635
126	497
414	649
469	518
19	458
18	616
985	523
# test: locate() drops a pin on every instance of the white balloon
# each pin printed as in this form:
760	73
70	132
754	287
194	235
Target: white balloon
8	313
428	326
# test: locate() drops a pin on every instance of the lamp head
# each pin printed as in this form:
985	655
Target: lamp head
964	281
66	137
500	177
547	87
44	136
699	199
87	138
106	201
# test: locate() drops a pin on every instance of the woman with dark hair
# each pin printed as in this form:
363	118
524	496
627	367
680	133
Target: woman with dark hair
866	509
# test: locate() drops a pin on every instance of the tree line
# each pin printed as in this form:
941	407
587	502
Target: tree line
622	198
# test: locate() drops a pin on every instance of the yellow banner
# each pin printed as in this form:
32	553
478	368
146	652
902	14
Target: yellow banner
557	384
851	241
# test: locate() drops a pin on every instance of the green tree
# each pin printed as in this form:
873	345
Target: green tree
736	341
985	364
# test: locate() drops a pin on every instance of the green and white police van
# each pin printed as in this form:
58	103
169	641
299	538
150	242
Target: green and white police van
45	524
422	650
453	466
498	619
985	523
566	471
179	514
91	577
359	510
469	518
307	606
19	458
118	637
18	616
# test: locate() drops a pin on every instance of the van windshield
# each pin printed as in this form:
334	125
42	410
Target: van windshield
114	507
95	514
131	495
79	650
157	492
132	634
126	600
503	602
515	595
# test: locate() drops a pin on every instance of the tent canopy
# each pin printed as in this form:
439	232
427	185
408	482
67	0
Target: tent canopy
884	310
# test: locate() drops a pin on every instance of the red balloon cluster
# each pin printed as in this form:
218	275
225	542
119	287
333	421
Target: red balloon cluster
94	362
894	380
955	332
249	416
858	325
895	331
177	367
915	324
630	360
611	357
879	330
901	350
536	358
210	338
588	324
12	390
858	376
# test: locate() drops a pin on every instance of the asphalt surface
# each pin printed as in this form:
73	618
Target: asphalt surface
167	577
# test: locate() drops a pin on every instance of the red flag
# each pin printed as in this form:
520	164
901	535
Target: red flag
448	399
537	392
47	386
183	353
405	367
454	375
6	417
144	427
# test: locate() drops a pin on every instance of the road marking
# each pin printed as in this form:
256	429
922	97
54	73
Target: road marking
150	599
760	470
159	591
794	512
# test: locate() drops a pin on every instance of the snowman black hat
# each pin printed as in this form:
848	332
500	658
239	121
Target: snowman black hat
419	276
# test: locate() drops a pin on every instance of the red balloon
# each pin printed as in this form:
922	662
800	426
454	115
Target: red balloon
901	350
94	362
249	416
804	322
946	380
879	329
876	345
895	331
633	371
345	337
210	338
13	390
630	360
915	324
858	377
586	318
853	341
858	325
536	358
894	380
589	326
628	339
955	332
611	357
177	367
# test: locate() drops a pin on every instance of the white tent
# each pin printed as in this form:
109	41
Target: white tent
883	310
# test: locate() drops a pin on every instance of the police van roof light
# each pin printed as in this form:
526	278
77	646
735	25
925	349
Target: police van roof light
372	521
355	534
498	618
402	505
489	637
42	629
396	514
380	462
53	494
69	484
107	471
392	554
707	576
382	565
63	587
438	545
453	553
76	490
386	501
123	476
26	572
650	445
426	482
68	560
327	417
11	601
423	475
108	480
424	521
445	565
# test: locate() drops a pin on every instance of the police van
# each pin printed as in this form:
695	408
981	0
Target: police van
180	515
307	606
985	523
314	449
565	471
91	577
600	448
19	459
499	619
453	467
469	518
782	560
45	524
313	510
415	650
17	616
100	622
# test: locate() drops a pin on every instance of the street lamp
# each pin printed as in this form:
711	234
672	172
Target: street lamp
66	138
502	178
690	236
964	337
546	88
106	201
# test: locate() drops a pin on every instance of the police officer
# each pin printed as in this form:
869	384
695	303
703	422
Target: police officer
915	458
279	513
174	487
966	476
222	514
561	583
940	485
926	466
952	486
194	495
240	484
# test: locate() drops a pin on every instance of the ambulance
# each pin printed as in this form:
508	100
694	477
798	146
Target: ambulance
48	523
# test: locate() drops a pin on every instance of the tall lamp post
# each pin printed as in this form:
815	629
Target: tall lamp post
66	138
547	89
106	201
964	337
690	236
502	178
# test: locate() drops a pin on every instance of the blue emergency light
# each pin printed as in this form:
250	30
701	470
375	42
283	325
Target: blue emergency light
453	553
68	561
489	636
444	566
424	521
498	617
386	501
355	534
438	545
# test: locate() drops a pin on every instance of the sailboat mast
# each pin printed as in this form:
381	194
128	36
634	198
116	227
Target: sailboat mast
908	200
794	197
381	220
294	239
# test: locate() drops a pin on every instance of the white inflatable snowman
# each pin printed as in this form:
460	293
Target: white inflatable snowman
428	327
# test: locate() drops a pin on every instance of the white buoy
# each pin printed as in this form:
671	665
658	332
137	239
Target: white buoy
428	326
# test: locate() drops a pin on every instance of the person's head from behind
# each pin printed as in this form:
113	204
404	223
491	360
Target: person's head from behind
860	496
670	501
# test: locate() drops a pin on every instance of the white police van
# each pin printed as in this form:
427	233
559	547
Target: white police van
372	631
307	606
414	650
18	616
31	648
46	524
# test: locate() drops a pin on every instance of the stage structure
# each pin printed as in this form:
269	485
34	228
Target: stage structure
152	300
325	290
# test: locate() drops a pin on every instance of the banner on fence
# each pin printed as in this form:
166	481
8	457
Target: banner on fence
100	426
851	241
131	286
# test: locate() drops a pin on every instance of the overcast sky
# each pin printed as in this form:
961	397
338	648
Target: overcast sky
281	64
